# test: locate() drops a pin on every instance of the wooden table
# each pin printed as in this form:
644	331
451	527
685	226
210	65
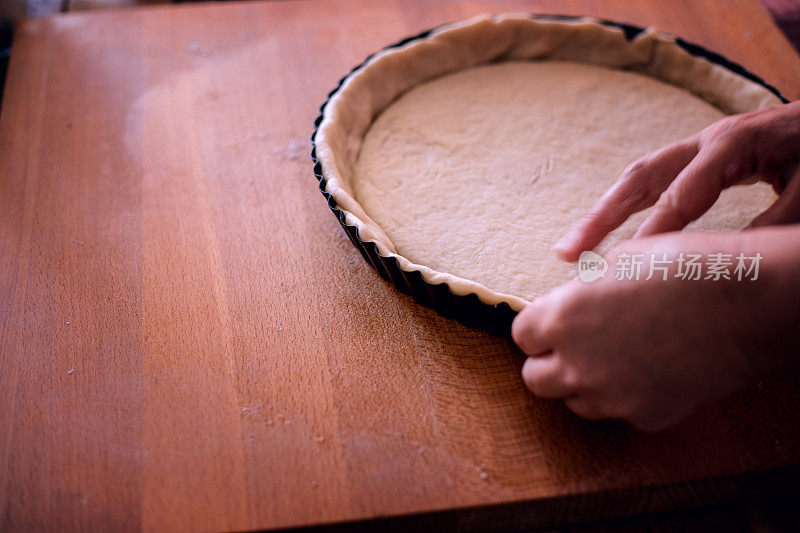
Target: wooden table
189	341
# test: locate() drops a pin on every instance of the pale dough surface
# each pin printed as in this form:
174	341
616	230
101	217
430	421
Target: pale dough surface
478	173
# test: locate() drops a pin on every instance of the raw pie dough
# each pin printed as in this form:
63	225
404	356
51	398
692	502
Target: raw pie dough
467	153
480	172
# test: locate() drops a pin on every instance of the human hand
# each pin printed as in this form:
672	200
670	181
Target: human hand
650	351
684	179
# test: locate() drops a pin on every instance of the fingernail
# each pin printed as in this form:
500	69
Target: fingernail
565	247
565	243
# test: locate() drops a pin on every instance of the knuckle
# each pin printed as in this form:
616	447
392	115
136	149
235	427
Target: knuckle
627	409
733	129
570	309
551	326
637	167
635	186
604	220
571	379
670	205
553	323
718	129
559	324
640	196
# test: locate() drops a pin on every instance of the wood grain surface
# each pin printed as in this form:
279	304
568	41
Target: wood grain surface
188	340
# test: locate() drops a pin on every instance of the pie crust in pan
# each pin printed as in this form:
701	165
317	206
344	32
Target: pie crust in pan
375	84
